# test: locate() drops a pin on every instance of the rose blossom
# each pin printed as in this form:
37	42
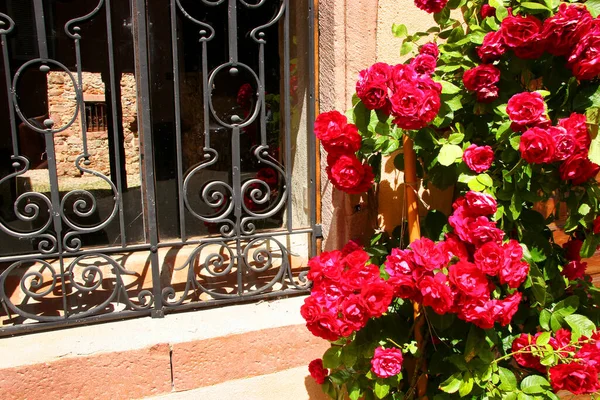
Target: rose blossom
490	258
348	174
328	263
431	6
377	298
371	86
355	312
573	249
575	378
478	312
358	277
537	146
436	293
329	125
347	141
507	308
563	30
481	230
585	58
478	158
574	270
514	273
428	254
526	109
317	371
454	247
492	47
414	108
487	11
469	279
564	143
325	326
526	360
597	225
480	203
590	353
522	35
578	169
386	362
424	64
576	126
430	48
481	78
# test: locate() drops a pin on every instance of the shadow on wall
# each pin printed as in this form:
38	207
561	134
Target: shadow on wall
313	389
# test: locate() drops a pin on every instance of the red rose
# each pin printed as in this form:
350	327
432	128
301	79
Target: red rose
478	312
480	203
492	47
349	175
317	371
573	249
487	11
436	293
377	297
361	276
386	362
597	225
347	141
424	64
490	258
564	143
527	360
311	309
514	273
329	125
431	6
428	254
563	30
480	77
590	354
585	58
469	279
574	270
355	312
400	74
356	258
526	109
371	86
576	126
399	262
328	263
537	146
454	247
487	94
575	378
414	108
481	230
507	308
522	35
431	49
324	327
578	169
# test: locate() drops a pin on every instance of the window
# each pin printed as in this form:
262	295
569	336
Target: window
95	116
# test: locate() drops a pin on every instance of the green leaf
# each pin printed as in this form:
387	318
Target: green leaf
452	384
442	17
381	389
538	284
332	357
508	381
399	30
534	8
329	389
566	307
534	384
545	316
449	153
594	153
580	326
456	138
593	7
353	390
485	180
584	209
476	186
406	48
543	339
466	386
515	141
590	244
449	88
350	355
501	11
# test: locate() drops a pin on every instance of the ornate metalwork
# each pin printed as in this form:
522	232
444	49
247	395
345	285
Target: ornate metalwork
240	262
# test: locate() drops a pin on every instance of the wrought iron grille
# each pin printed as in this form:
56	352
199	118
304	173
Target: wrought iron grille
200	188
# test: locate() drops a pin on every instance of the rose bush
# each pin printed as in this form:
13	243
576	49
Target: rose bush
504	106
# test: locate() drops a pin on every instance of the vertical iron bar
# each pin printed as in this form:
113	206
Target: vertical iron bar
261	91
11	108
312	146
175	52
115	121
288	113
40	28
237	199
56	210
232	30
85	125
148	158
205	94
